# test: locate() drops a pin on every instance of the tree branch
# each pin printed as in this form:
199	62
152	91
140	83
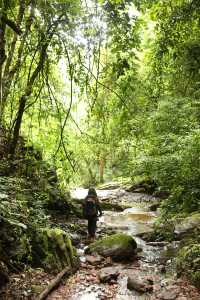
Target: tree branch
12	25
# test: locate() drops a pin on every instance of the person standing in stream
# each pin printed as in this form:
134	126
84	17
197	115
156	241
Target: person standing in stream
91	211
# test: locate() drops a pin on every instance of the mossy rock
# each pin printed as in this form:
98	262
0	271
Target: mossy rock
146	185
188	263
187	225
53	250
57	200
118	246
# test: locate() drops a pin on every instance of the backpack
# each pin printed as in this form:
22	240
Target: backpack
90	208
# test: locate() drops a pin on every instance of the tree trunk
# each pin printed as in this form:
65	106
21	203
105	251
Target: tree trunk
45	40
2	52
11	70
101	169
23	99
22	103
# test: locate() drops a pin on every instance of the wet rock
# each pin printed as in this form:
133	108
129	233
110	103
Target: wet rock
146	236
187	225
93	260
139	284
117	227
108	205
148	186
157	244
118	246
139	250
115	199
109	186
168	295
109	273
82	259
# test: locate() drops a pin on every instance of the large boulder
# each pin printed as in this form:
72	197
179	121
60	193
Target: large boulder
118	246
52	249
187	225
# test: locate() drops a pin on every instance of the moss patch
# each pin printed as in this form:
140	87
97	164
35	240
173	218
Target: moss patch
118	246
53	249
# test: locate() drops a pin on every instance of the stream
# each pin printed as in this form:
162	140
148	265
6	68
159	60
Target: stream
134	220
153	262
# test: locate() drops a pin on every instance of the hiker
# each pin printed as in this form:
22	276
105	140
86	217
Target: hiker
91	211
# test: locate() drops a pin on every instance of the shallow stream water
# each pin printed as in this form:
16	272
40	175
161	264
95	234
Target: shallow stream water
133	221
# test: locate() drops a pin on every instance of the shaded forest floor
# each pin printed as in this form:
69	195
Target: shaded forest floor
87	282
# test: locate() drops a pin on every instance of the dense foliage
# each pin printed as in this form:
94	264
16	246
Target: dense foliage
102	90
106	89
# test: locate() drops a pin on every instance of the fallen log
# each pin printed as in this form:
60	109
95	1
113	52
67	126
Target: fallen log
55	282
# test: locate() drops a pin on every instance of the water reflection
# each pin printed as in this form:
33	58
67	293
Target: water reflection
134	221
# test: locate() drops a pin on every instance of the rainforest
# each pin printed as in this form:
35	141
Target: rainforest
101	94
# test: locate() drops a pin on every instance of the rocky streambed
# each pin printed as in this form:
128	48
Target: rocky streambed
149	274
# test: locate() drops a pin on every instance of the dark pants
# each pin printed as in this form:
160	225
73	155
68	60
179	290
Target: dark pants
92	226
